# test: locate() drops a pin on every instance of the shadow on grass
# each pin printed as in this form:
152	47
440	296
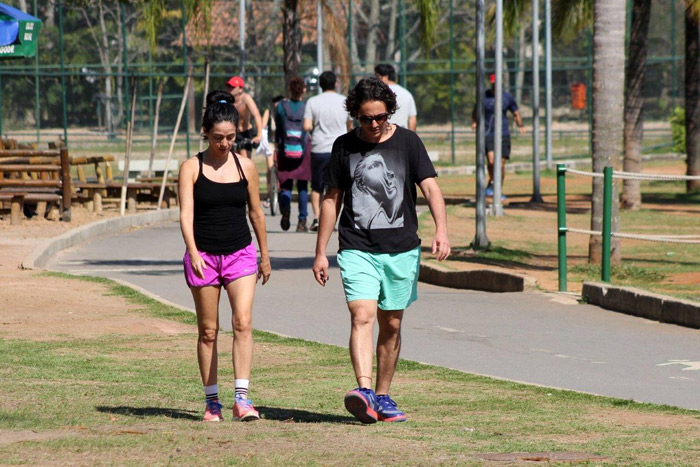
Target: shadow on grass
503	257
150	412
301	416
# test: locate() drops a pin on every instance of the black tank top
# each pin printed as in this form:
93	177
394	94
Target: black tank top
220	225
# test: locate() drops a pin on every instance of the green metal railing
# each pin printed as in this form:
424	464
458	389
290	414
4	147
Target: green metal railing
562	229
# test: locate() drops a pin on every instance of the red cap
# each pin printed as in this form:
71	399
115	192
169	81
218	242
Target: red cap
492	78
236	82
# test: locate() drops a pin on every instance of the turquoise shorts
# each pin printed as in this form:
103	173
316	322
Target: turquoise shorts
389	278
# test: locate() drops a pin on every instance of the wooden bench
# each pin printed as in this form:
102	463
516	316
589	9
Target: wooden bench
103	175
135	192
35	176
139	167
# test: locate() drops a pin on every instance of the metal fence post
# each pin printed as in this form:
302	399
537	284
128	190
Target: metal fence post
63	73
402	29
452	84
561	225
37	109
125	61
607	222
0	105
185	75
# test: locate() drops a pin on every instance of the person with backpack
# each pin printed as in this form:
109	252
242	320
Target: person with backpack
293	154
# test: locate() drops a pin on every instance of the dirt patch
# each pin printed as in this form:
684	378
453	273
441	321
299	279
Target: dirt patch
36	307
10	437
629	418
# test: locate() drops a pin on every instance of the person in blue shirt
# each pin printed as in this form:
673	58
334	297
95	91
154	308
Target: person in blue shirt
489	104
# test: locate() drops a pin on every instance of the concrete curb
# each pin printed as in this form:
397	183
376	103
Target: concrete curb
480	279
637	302
41	255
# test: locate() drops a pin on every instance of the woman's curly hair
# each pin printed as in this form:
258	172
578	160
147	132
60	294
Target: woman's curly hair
370	89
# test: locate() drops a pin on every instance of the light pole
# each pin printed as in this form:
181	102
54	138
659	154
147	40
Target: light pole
319	40
496	205
536	195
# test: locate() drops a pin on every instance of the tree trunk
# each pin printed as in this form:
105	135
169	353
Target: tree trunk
608	114
634	101
121	82
372	28
23	6
354	56
391	35
50	14
692	100
291	33
107	67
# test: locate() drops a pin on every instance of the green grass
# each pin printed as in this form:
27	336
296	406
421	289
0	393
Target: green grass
131	399
621	274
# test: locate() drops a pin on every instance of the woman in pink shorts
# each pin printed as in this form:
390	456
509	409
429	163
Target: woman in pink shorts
216	189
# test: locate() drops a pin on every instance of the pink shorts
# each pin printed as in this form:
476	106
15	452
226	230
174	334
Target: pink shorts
222	269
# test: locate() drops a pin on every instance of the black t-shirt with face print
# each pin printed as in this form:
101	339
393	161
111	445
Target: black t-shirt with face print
378	181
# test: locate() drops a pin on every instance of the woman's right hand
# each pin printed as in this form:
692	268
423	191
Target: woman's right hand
198	264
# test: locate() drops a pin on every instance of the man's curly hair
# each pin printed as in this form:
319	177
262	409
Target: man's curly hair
370	89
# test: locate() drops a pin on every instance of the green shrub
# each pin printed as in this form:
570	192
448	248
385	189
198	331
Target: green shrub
678	129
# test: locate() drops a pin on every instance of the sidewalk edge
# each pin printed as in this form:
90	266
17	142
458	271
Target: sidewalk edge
41	254
641	303
479	279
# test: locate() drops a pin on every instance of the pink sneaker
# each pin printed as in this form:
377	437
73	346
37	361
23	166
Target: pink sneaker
244	411
213	411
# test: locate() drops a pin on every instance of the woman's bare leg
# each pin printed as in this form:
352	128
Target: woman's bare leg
206	303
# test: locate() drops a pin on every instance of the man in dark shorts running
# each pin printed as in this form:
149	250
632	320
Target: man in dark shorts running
509	104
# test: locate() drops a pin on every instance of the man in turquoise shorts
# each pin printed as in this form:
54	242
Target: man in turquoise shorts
372	175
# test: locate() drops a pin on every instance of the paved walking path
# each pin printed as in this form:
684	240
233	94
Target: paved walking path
537	338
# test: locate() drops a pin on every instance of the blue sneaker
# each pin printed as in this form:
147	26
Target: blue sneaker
387	410
362	403
489	190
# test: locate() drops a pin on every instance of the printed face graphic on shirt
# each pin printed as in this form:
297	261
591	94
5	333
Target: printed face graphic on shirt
377	192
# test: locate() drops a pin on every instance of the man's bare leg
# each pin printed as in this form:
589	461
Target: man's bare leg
363	313
362	402
489	165
388	347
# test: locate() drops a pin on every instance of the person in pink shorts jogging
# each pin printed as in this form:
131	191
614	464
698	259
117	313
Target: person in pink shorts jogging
216	188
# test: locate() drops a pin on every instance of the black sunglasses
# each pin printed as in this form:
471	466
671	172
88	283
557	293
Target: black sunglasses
367	120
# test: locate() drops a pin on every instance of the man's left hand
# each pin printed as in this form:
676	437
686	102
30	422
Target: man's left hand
441	246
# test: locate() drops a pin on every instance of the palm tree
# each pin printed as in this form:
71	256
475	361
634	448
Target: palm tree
608	111
608	18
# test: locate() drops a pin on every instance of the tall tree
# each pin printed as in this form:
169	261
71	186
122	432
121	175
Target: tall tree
692	94
608	111
291	39
634	101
